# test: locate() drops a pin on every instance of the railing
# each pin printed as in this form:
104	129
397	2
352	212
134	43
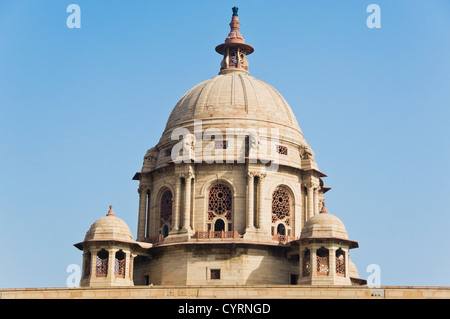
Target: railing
283	239
216	234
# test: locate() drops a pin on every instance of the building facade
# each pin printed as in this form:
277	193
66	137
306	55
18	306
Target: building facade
230	195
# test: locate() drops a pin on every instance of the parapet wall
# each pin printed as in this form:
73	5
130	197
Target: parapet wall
230	292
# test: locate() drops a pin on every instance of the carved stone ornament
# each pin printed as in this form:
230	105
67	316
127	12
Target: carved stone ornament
253	143
307	153
143	188
151	156
189	144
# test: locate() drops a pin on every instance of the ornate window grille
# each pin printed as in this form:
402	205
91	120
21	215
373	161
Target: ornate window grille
220	201
306	271
233	60
282	150
102	263
119	264
281	210
166	208
340	263
323	265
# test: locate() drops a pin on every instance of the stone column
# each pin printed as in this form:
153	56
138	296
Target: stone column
301	261
310	201
313	252
177	202
332	261
250	201
316	200
131	268
346	260
187	203
111	263
260	213
93	263
149	205
142	190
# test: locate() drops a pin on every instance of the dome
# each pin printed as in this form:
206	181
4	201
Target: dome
231	105
109	227
233	95
324	225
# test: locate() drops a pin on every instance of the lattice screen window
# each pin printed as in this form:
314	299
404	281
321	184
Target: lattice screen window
119	264
323	266
340	263
102	263
306	271
166	208
282	149
233	60
220	202
281	207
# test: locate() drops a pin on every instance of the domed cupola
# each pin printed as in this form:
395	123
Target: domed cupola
324	251
108	253
234	50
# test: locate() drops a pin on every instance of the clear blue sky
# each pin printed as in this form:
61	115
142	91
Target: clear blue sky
80	107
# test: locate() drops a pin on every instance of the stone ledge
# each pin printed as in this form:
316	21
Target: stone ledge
230	292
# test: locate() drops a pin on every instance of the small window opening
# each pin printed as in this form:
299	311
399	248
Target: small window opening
215	274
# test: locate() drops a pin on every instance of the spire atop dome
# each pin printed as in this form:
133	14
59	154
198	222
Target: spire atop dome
110	212
324	209
234	48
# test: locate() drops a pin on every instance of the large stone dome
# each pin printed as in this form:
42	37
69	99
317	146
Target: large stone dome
234	99
233	95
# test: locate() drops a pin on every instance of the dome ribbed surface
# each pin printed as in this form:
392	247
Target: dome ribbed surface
109	228
233	94
324	225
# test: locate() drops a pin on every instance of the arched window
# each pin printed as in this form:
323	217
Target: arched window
281	229
281	211
306	263
165	231
119	265
323	266
102	263
220	201
340	262
165	212
219	225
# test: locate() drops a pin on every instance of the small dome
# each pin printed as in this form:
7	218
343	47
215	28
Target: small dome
324	225
109	227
